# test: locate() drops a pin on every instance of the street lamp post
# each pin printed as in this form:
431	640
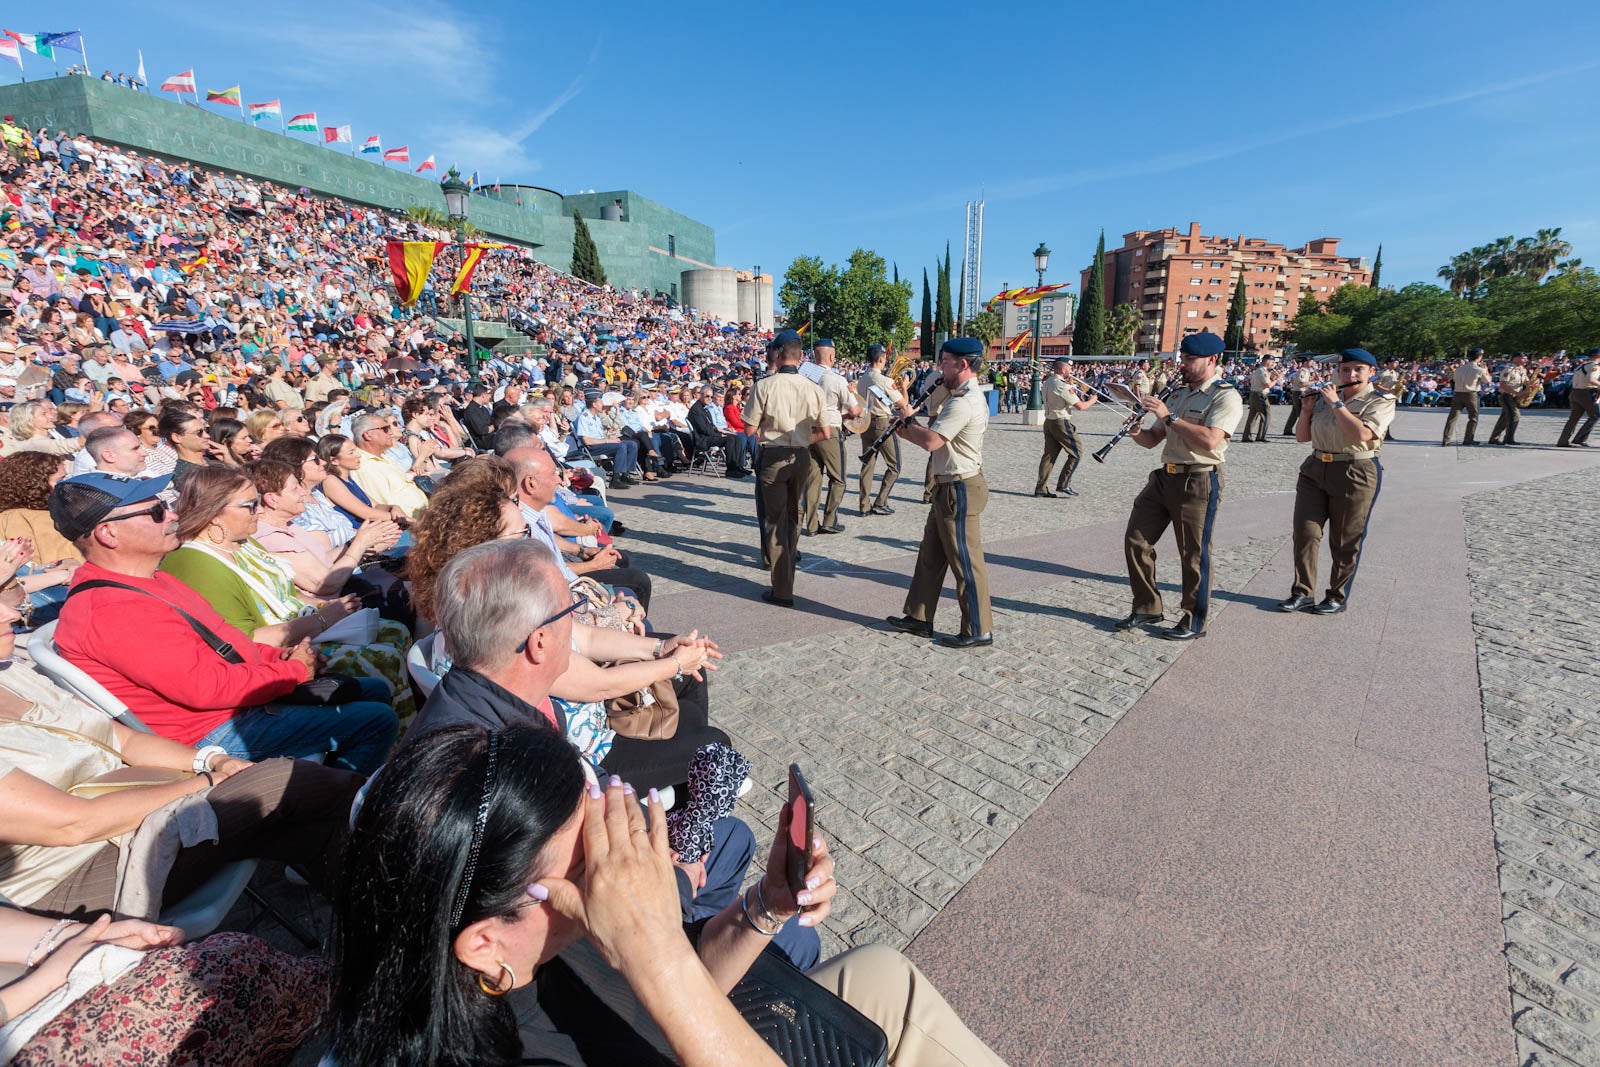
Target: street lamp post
457	196
811	320
1035	414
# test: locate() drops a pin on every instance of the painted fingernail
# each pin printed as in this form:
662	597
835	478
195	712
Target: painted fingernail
627	787
655	798
816	842
804	898
538	892
814	881
594	791
806	920
614	783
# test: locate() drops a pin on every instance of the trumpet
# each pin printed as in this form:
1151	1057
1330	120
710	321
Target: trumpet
863	419
1135	418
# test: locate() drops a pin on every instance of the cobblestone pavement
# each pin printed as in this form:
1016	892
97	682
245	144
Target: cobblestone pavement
1535	589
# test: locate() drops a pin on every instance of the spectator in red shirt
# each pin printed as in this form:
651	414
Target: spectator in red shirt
161	649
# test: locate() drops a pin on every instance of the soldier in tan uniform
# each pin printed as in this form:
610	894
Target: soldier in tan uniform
828	454
1464	397
1514	379
1390	382
785	412
1339	481
952	539
1585	390
1262	379
1060	401
1140	379
881	413
1300	380
1185	490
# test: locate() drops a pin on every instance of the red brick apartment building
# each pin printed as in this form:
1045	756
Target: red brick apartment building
1183	283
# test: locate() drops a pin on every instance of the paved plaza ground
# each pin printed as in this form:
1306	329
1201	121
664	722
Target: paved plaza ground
1367	838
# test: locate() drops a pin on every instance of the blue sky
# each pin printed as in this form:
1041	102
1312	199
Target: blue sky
1428	127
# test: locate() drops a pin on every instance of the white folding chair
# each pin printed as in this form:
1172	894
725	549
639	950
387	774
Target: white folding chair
419	662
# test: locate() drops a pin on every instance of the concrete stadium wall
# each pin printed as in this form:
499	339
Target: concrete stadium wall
634	252
715	291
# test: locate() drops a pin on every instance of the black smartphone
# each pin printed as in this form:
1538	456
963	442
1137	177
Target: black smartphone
802	828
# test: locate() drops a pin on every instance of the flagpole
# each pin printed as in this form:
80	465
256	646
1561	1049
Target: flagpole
83	50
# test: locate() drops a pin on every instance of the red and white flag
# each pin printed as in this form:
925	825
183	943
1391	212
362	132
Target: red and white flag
427	164
372	146
179	83
336	135
397	155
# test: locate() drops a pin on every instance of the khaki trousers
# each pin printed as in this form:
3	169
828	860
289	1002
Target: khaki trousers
782	480
1459	402
922	1029
1187	503
1340	496
1059	437
952	541
869	461
1584	409
1255	425
828	457
1294	414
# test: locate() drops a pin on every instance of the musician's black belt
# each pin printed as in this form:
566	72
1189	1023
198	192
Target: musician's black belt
1188	468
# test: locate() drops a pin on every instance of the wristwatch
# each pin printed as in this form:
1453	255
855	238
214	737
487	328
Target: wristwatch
202	758
1338	403
1168	419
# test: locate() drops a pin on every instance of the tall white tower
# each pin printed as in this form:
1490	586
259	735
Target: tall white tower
972	262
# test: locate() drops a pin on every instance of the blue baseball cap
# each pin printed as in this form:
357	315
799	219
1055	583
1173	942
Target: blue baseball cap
80	503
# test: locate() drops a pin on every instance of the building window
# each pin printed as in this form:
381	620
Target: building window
1194	314
1214	281
1194	281
672	245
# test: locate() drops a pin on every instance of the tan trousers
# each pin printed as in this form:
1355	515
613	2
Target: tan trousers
782	481
1584	411
1187	503
1059	437
827	459
1255	425
952	540
1340	496
1468	402
887	988
891	462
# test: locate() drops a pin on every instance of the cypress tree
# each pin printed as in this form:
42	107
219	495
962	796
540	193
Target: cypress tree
1233	337
585	256
1377	267
1089	332
945	323
927	318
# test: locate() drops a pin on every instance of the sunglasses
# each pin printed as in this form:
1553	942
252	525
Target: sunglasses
157	512
568	610
250	505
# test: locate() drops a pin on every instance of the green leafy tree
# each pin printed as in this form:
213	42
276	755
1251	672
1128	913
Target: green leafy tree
1121	328
926	340
944	322
807	278
856	305
1377	267
1089	332
585	256
432	216
985	326
1233	336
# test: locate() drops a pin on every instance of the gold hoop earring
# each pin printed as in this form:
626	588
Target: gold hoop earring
500	987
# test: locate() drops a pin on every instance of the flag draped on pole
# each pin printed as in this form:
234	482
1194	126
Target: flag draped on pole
398	155
142	79
179	83
224	96
1005	296
37	43
306	123
470	254
372	146
270	109
71	40
1036	294
336	135
409	264
194	264
1017	343
427	164
9	50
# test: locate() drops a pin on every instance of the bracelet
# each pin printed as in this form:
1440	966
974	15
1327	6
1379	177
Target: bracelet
677	677
766	912
661	642
46	942
203	758
744	905
210	781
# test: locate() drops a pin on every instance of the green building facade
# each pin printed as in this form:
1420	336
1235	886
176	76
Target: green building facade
641	242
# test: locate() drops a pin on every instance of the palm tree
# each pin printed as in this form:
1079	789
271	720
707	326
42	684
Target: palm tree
1465	271
1499	258
1539	254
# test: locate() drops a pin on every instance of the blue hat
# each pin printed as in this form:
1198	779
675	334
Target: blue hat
873	350
967	347
1204	343
783	337
822	342
80	503
1357	355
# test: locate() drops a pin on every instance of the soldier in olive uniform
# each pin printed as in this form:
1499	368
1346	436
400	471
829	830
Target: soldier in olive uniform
881	413
1464	397
1140	379
1513	380
952	539
1060	401
1390	382
785	412
1585	390
1262	379
1185	490
1301	379
827	454
1339	481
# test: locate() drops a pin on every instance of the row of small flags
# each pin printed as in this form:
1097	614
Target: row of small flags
43	45
304	123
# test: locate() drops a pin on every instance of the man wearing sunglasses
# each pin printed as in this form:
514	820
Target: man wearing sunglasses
161	649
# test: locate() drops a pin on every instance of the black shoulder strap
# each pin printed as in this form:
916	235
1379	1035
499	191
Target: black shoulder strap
204	632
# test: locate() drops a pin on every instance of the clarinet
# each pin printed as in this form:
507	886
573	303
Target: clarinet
1133	422
918	401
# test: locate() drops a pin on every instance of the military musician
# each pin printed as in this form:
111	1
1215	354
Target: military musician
827	455
872	387
1514	379
786	412
1585	390
1262	380
1061	399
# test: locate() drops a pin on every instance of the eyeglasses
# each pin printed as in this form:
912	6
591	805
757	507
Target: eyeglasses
157	512
251	505
568	610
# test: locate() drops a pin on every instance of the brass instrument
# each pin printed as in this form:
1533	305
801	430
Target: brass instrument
1525	395
858	423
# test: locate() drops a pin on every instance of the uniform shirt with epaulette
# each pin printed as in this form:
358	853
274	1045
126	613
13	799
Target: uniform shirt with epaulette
864	385
1388	381
1587	376
1059	398
1141	382
961	422
835	398
1468	377
783	407
1215	404
1260	380
1513	378
1373	408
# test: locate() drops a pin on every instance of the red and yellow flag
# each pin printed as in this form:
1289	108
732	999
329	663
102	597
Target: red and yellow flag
223	96
409	264
195	264
470	254
1005	296
1025	297
1017	343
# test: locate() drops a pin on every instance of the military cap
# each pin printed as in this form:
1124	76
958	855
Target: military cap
1204	343
783	337
967	347
873	350
822	342
1357	355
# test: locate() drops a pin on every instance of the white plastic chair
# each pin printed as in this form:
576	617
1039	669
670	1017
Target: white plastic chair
42	648
419	662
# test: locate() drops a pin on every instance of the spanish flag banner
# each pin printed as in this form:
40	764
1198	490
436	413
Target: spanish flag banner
1036	294
409	264
195	264
470	254
1017	343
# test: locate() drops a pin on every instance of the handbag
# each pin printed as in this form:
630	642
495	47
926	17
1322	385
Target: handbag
805	1024
648	715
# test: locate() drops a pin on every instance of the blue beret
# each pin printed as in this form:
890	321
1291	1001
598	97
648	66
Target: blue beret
1357	355
1204	343
822	342
962	346
783	337
873	350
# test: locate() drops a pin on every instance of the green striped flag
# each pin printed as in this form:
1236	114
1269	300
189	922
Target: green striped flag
306	122
37	43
